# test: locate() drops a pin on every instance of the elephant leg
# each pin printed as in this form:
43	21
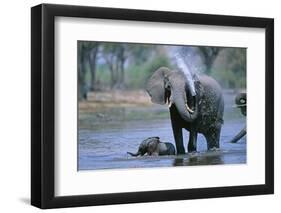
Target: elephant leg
241	134
192	143
177	130
213	138
179	140
170	149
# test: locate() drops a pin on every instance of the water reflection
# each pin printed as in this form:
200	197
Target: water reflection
201	160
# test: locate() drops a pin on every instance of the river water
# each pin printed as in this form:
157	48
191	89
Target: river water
104	144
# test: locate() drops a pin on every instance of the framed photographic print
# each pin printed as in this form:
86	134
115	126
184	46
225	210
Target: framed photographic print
140	106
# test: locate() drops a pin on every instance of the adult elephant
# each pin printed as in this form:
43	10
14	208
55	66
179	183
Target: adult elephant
195	105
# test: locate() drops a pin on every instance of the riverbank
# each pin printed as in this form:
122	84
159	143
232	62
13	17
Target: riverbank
106	109
114	99
121	98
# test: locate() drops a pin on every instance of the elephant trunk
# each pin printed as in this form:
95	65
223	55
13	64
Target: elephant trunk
134	154
187	109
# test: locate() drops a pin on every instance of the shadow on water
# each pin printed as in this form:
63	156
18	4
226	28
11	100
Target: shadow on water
105	138
198	160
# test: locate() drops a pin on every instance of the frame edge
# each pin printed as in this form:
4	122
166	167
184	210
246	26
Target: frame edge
36	155
269	117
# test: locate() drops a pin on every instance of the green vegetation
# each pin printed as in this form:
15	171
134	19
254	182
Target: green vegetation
109	66
230	68
139	73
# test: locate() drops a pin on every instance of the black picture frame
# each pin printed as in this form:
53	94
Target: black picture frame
43	102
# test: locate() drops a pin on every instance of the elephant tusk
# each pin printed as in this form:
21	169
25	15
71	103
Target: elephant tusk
188	109
170	104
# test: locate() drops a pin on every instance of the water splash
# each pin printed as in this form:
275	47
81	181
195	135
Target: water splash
178	58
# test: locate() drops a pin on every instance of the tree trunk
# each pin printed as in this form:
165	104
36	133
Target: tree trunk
92	60
122	74
114	75
209	63
120	65
81	77
209	55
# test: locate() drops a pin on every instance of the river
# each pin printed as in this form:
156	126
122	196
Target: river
104	143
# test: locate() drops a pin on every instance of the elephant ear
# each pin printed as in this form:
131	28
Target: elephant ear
156	85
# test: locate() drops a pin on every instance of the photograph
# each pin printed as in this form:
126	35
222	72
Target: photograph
160	105
174	105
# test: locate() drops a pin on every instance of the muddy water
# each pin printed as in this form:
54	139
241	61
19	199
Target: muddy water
107	148
104	144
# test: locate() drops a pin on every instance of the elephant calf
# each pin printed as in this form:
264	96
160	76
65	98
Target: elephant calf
153	146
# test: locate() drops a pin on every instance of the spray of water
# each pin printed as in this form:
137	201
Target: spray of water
178	58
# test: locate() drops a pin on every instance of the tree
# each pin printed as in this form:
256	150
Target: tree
140	53
93	62
115	56
109	55
82	60
209	55
229	68
87	54
121	59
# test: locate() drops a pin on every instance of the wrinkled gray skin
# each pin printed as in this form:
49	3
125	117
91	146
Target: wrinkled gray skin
201	113
153	146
